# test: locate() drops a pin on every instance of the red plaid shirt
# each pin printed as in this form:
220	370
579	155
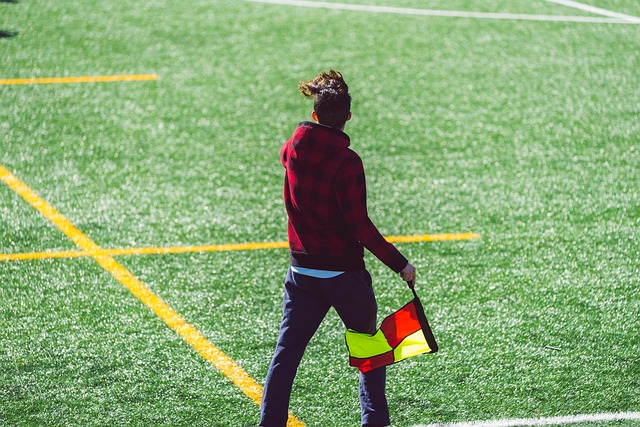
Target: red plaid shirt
326	200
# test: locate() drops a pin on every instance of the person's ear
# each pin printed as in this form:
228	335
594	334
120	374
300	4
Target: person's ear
349	116
314	116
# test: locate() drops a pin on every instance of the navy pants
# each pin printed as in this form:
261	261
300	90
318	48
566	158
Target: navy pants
306	302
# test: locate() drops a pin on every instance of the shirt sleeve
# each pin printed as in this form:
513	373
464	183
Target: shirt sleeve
351	193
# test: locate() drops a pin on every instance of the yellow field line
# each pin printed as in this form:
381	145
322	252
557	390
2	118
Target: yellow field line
43	255
442	237
145	251
82	79
215	248
202	248
191	335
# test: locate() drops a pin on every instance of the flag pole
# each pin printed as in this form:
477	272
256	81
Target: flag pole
412	286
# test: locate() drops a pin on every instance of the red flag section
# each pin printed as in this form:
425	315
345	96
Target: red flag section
405	333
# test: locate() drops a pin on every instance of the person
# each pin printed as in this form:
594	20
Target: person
328	229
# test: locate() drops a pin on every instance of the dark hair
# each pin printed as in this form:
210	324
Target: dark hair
331	99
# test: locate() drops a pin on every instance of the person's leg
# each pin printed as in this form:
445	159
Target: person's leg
302	314
373	400
354	300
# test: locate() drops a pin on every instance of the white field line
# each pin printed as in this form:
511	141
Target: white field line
542	421
444	13
597	10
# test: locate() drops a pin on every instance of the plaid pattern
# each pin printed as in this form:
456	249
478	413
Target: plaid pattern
325	198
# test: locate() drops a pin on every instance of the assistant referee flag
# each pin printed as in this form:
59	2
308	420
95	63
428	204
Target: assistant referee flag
405	333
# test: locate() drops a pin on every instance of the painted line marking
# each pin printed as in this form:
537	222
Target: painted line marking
214	248
587	418
43	255
82	79
442	237
173	319
444	13
597	10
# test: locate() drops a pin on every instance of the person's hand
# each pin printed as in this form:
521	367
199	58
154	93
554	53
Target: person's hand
408	273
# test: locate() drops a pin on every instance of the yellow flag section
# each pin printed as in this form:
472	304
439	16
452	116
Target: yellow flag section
405	333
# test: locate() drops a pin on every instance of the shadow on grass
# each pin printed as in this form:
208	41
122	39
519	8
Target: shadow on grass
5	34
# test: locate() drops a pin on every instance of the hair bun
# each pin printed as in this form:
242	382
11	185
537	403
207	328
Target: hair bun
327	81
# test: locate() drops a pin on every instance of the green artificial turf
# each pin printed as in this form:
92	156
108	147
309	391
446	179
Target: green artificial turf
523	132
